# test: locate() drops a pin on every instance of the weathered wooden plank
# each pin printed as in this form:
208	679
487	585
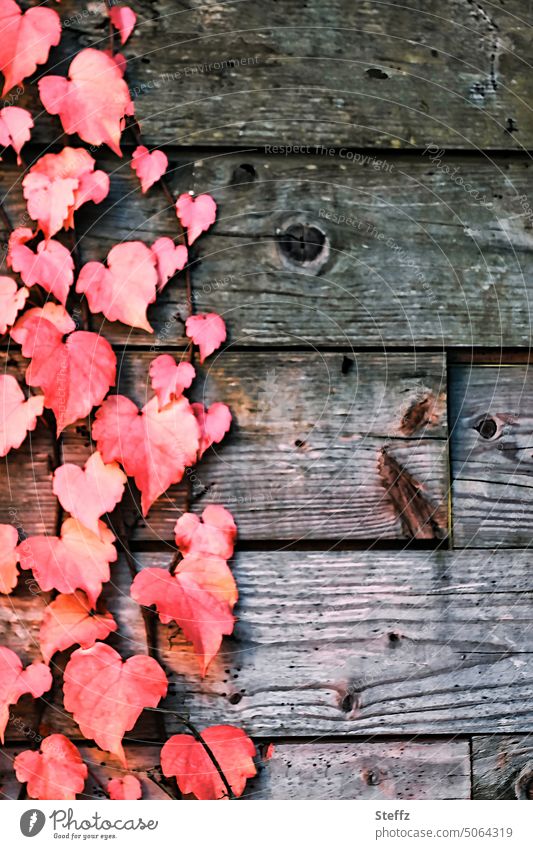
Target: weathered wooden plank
373	771
492	455
367	643
342	74
502	767
322	446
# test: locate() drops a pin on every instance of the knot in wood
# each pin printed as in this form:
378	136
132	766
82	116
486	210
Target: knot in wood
486	427
302	243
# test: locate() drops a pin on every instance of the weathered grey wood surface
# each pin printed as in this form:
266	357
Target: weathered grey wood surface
491	412
367	74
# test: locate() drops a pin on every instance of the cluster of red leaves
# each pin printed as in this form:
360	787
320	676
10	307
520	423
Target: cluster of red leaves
74	371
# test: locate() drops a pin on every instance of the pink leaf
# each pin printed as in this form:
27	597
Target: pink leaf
74	375
207	330
26	40
93	101
107	696
214	424
197	214
77	560
16	681
17	416
68	621
214	533
127	787
15	128
56	772
169	378
12	300
154	446
58	184
51	266
90	492
8	558
123	19
149	167
123	290
169	258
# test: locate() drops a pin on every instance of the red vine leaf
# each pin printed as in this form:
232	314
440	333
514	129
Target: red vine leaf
58	184
127	787
17	415
169	259
107	696
214	533
77	560
90	492
149	167
154	446
8	558
56	772
51	266
26	40
170	378
94	101
68	621
207	330
123	19
214	424
195	597
75	374
15	128
185	758
12	299
197	214
16	681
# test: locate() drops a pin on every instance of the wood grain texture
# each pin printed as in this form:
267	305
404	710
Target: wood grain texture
366	643
305	458
502	766
492	455
366	74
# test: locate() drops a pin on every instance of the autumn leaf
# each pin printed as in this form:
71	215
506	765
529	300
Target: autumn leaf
56	772
195	597
8	558
149	167
170	378
214	533
15	128
75	374
214	424
154	446
107	696
58	184
12	299
207	330
196	214
93	101
16	681
17	415
51	265
127	787
68	621
76	560
169	259
185	758
123	19
90	492
26	40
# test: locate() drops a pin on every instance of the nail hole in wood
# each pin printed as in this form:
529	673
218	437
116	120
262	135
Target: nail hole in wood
302	243
235	699
347	365
394	638
371	778
348	702
376	74
299	443
486	428
244	173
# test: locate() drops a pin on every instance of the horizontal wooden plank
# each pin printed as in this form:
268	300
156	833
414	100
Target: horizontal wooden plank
502	767
374	771
354	74
367	643
322	446
492	455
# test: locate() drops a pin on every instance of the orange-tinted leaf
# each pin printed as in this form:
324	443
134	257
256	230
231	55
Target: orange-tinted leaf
16	681
185	758
127	787
26	40
107	696
90	492
8	558
68	621
56	772
17	415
